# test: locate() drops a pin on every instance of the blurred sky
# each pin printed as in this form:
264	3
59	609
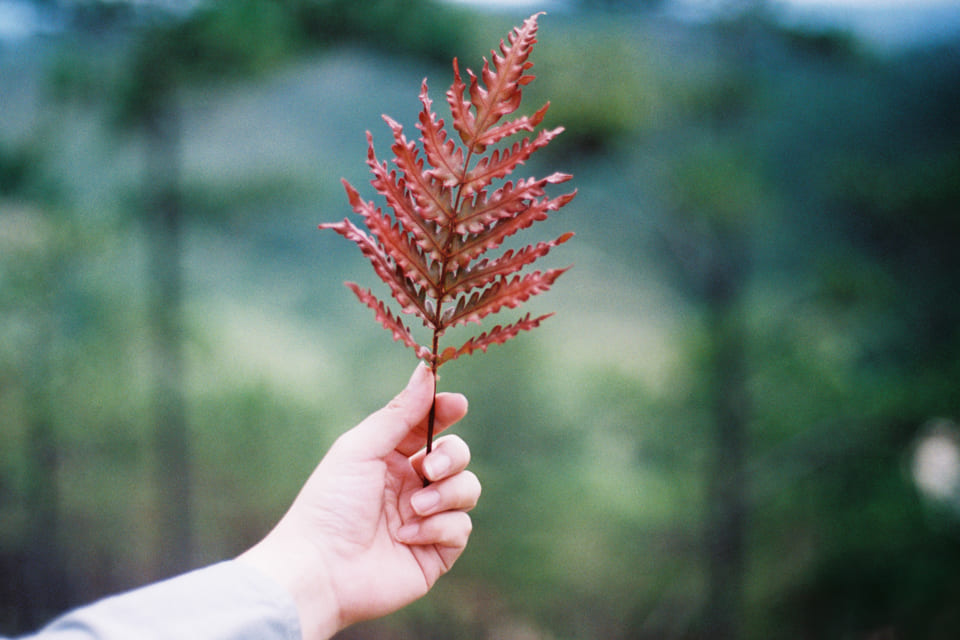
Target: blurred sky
885	23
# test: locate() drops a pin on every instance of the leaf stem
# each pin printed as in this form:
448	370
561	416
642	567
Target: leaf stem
433	406
431	420
437	323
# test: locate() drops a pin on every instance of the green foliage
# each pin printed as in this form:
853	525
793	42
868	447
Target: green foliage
604	99
420	27
232	39
15	169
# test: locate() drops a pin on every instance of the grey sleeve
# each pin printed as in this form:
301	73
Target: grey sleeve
226	601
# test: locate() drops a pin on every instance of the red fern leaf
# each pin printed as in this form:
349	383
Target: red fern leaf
506	202
501	294
497	335
389	321
395	241
432	198
442	153
447	212
486	271
499	164
471	246
402	289
407	256
506	129
407	211
501	95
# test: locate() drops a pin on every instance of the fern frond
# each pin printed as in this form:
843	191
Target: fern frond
503	293
497	335
394	189
402	289
499	164
453	203
389	321
434	201
500	95
486	271
506	129
442	153
478	213
470	246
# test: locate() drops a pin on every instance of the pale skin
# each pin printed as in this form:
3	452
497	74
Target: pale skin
364	537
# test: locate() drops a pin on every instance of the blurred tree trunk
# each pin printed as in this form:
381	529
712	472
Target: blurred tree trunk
43	588
164	221
709	243
726	483
37	579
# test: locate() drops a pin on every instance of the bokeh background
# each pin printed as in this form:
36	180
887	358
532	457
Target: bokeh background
741	422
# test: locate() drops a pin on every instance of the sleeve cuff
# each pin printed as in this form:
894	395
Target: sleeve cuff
225	601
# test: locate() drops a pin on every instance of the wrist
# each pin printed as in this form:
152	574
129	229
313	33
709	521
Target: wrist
299	572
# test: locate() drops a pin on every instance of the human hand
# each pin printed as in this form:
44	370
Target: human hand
364	537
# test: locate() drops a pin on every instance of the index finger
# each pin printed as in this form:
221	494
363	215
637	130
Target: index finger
451	407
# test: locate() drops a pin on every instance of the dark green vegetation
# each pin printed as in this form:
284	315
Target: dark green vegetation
713	438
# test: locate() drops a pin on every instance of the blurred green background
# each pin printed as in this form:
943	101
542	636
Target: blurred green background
741	423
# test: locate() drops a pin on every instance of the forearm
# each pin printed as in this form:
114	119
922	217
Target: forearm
227	601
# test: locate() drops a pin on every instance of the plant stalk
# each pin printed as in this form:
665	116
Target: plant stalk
433	406
434	365
432	418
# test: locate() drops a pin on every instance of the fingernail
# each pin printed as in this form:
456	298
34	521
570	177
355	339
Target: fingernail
436	465
424	501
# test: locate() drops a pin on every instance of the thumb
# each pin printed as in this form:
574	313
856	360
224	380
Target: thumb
382	431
